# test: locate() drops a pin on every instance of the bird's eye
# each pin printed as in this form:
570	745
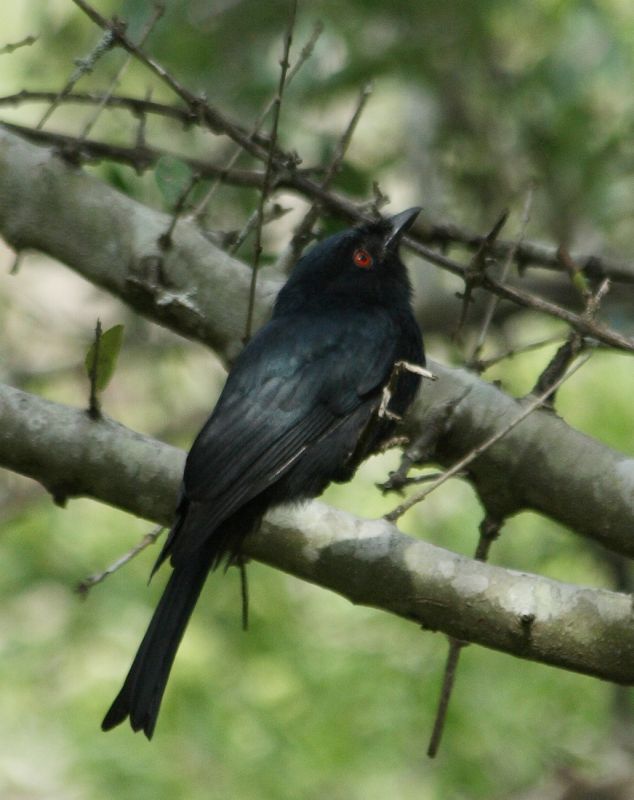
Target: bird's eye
362	258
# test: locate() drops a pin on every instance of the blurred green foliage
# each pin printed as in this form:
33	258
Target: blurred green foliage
473	102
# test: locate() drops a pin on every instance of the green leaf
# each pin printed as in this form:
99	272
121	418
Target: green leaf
109	348
172	176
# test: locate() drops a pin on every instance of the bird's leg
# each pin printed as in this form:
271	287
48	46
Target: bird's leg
399	366
384	411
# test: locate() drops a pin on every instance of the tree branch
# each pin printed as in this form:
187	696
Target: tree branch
346	208
200	292
542	465
368	561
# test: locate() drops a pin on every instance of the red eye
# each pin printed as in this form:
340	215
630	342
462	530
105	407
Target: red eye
362	258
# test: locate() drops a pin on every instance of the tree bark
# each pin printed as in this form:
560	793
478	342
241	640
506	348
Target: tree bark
368	561
199	291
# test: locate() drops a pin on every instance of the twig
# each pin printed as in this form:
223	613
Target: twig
200	109
92	580
274	213
305	54
460	465
165	239
476	270
483	364
141	157
489	531
574	343
577	278
556	367
94	411
449	676
26	42
527	253
303	231
82	67
139	139
134	105
494	300
159	10
277	105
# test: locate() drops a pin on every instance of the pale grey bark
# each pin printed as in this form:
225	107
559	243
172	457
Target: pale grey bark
199	291
368	561
543	464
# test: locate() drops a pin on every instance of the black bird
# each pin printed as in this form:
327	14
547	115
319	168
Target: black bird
303	405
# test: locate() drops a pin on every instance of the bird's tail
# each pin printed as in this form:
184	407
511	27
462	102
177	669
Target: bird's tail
141	694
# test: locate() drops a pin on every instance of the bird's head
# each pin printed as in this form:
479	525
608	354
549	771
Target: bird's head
360	264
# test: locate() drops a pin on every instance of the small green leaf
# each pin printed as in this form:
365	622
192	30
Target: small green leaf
172	176
109	347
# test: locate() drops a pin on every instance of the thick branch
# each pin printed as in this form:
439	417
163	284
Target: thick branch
300	182
367	561
543	464
200	291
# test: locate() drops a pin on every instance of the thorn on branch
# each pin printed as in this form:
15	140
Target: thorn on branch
474	273
94	410
494	300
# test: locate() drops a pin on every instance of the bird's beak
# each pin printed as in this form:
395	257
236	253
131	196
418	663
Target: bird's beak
400	223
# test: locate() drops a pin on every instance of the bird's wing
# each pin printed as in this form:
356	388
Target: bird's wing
295	383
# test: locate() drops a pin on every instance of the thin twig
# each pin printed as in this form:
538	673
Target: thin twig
482	364
275	212
82	67
165	239
201	110
26	42
257	246
449	676
159	10
303	231
577	278
92	580
476	270
141	157
134	105
575	342
494	300
525	253
460	465
489	531
94	411
304	55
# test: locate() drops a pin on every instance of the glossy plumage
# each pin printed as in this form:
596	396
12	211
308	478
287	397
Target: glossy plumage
298	410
